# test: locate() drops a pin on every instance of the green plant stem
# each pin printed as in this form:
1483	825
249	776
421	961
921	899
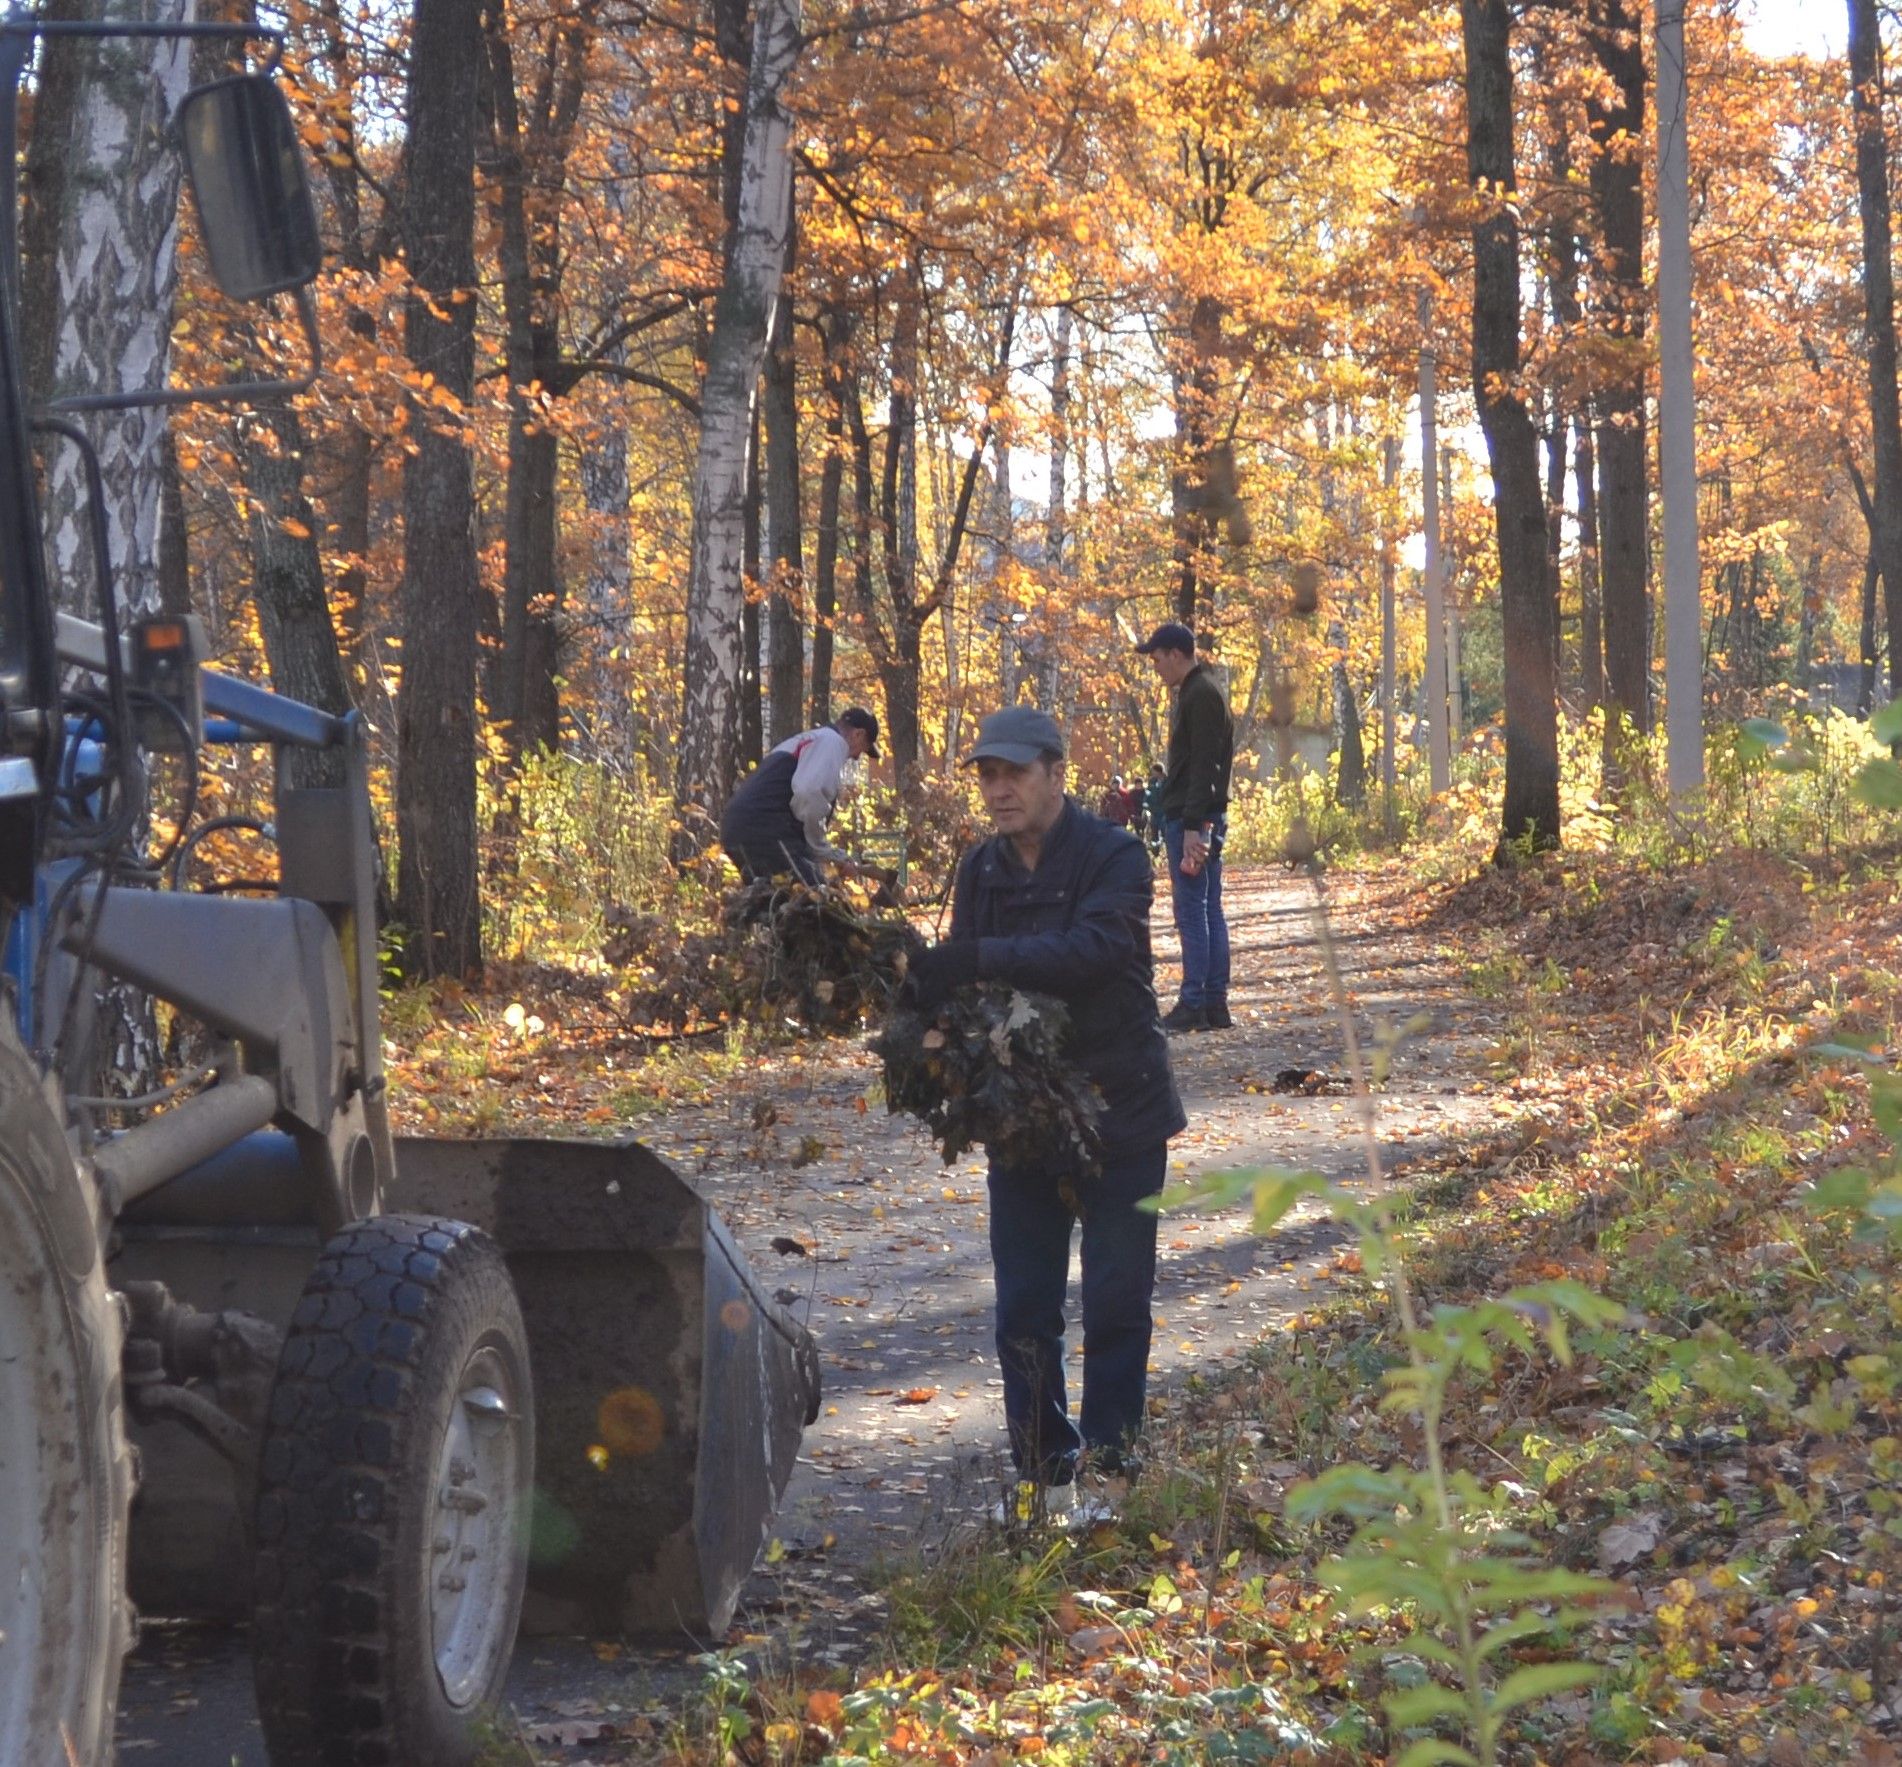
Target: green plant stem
1483	1725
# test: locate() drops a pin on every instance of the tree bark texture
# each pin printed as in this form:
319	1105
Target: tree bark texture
1531	807
752	726
287	580
1878	303
786	543
1196	394
1350	779
532	142
825	563
742	321
1617	183
1591	637
103	251
441	590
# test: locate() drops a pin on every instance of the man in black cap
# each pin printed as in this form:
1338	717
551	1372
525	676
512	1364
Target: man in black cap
775	822
1057	902
1194	822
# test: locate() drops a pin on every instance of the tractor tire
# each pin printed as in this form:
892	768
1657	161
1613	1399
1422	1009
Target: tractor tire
393	1501
65	1470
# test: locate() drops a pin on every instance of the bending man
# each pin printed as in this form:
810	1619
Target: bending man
775	822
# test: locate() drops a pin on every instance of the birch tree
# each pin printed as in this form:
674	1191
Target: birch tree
742	320
100	278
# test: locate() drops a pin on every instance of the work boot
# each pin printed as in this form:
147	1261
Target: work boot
1183	1017
1218	1018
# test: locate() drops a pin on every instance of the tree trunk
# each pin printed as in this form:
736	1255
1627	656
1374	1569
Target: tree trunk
1196	394
1805	668
1878	301
825	564
531	164
1531	808
742	321
1003	559
104	252
752	727
441	591
1617	182
174	554
1389	683
1591	638
898	513
1555	530
287	580
1866	676
1350	780
785	641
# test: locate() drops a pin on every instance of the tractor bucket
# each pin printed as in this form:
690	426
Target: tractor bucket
671	1391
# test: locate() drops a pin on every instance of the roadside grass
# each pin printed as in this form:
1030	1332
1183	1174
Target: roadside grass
1728	1453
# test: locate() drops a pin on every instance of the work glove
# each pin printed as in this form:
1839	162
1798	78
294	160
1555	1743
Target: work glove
938	973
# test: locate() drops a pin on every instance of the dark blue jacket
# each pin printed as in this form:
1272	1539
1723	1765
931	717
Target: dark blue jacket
1078	927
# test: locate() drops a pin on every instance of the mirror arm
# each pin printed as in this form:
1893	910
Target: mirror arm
20	24
236	393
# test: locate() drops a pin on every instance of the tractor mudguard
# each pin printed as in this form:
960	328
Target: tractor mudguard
671	1390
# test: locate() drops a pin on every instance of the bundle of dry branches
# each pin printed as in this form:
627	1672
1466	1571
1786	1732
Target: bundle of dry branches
988	1067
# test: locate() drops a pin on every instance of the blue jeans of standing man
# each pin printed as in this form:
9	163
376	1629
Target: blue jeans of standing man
1199	917
1031	1226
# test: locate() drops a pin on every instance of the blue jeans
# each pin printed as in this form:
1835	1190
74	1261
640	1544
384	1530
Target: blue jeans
1199	917
1031	1226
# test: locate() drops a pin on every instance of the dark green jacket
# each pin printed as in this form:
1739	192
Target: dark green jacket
1201	752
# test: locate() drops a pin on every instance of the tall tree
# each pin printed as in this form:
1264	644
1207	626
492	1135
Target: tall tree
742	321
441	593
1878	305
1531	807
99	280
532	144
1617	183
785	642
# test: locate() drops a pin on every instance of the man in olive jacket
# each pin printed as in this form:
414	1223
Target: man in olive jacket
1057	902
1194	825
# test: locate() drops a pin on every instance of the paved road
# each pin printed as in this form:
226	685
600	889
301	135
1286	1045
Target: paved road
897	1290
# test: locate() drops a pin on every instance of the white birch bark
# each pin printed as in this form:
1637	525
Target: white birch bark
743	313
117	276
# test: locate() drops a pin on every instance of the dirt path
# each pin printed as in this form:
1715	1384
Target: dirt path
896	1287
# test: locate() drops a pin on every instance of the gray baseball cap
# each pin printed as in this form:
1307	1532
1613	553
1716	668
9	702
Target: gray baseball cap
1018	734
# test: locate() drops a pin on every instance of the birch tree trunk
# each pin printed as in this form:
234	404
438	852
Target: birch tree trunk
742	320
104	255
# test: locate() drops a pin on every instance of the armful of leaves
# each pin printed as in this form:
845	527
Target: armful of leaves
988	1068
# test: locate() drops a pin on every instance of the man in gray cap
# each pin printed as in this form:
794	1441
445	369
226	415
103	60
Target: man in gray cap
1057	902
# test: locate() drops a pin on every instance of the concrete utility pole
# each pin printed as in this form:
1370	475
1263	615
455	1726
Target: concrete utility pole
1683	618
1439	752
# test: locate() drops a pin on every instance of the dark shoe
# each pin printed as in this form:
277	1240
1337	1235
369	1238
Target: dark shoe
1217	1013
1181	1017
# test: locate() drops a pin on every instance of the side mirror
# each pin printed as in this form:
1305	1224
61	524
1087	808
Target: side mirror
247	175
